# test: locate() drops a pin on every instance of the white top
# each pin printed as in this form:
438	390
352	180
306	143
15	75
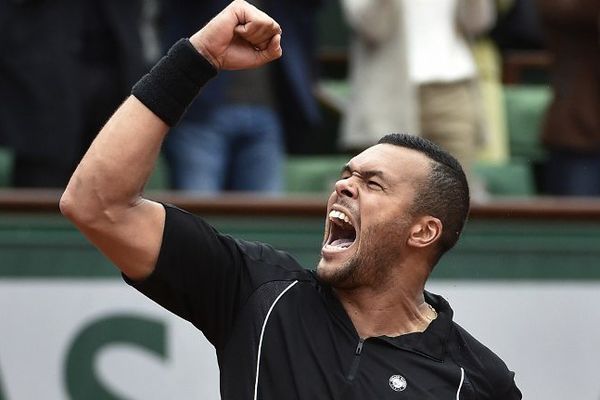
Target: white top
437	52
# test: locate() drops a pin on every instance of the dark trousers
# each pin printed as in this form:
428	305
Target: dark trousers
572	174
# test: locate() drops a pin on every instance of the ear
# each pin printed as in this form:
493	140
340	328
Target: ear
425	232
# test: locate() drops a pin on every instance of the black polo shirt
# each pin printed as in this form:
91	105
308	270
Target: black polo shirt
280	334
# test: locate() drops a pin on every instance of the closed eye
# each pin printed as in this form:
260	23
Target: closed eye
374	185
364	176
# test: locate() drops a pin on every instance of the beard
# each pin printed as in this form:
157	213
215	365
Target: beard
373	261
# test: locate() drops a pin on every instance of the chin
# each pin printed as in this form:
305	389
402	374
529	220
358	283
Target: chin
336	274
325	270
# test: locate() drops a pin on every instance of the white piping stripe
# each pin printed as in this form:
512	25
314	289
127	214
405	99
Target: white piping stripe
462	379
262	332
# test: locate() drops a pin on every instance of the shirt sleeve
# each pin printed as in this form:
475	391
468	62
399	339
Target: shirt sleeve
201	275
513	392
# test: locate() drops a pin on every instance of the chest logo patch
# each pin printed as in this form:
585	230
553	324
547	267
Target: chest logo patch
397	383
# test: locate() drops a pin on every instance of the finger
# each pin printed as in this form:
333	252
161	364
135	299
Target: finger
273	50
258	32
254	25
214	38
263	46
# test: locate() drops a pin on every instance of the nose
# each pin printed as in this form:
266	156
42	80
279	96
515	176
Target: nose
346	188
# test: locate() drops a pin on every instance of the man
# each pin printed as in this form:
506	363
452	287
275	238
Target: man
361	327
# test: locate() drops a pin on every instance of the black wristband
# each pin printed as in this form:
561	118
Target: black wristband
173	83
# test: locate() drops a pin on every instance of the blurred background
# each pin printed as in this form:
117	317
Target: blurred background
510	87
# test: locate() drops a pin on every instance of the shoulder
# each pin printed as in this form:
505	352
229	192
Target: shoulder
183	227
265	254
485	371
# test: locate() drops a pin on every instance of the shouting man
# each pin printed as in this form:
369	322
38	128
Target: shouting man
359	327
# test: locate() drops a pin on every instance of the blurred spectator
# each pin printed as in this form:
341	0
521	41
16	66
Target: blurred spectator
233	136
412	70
64	67
518	26
572	127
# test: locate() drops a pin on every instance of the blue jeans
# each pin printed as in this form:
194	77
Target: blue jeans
572	174
236	148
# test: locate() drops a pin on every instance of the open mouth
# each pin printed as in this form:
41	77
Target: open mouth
342	233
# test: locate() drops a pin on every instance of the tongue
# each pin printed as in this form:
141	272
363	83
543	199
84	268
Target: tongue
342	243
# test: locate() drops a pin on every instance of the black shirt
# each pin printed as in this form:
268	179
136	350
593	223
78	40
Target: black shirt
280	334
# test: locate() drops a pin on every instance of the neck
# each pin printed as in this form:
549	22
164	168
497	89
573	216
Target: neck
398	309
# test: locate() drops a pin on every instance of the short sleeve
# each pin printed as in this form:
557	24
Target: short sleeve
513	392
485	372
200	275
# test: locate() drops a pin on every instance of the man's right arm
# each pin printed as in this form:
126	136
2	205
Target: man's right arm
104	196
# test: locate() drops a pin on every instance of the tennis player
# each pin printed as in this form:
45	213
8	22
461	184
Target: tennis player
361	326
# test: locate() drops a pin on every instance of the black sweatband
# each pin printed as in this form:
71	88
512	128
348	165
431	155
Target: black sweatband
173	83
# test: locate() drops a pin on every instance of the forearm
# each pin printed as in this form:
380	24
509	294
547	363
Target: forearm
103	198
112	174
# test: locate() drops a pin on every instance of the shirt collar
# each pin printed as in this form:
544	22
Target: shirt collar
432	342
429	343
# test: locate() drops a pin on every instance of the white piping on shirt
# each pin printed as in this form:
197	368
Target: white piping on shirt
262	332
462	379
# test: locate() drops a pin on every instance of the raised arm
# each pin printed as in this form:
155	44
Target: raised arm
104	196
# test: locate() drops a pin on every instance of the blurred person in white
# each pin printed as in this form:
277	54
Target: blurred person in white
412	70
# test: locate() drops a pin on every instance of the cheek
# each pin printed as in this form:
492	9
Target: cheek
373	215
385	231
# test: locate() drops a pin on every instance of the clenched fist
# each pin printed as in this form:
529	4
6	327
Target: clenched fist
239	37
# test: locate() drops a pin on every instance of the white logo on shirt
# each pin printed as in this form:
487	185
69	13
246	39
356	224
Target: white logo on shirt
397	383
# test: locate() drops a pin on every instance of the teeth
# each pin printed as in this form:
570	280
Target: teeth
339	215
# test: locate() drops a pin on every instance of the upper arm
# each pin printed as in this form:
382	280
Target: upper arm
199	274
205	277
131	238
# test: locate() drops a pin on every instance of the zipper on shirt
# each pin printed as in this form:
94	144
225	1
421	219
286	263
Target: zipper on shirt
356	360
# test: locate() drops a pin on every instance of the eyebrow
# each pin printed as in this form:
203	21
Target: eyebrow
365	174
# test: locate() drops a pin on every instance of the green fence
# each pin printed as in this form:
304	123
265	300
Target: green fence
46	245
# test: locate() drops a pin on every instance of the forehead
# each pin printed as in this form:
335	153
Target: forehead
395	162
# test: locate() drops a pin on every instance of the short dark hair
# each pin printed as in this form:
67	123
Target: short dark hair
445	194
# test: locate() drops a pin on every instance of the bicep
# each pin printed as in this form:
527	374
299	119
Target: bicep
131	238
199	274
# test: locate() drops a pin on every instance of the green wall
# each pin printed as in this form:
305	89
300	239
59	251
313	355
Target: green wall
47	245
